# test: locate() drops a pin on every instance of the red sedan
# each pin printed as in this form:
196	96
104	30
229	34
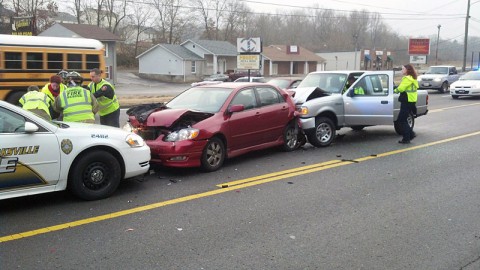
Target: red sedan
204	125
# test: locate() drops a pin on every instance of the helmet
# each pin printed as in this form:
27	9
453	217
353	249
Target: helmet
63	74
74	78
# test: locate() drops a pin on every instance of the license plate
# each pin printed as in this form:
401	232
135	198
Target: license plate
426	84
461	91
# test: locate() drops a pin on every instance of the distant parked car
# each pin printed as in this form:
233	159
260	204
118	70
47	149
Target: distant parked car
252	79
467	85
204	125
204	83
218	77
243	73
286	82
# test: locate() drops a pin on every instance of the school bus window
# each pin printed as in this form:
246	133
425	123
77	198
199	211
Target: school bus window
93	61
34	60
13	60
55	61
74	61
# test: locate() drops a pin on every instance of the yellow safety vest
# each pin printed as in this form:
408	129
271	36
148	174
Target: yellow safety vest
46	91
408	85
106	105
35	100
77	104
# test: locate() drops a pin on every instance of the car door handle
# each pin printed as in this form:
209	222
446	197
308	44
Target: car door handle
384	102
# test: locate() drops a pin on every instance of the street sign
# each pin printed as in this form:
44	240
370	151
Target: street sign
248	61
249	45
418	59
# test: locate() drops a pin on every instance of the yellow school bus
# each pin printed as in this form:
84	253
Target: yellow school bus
32	60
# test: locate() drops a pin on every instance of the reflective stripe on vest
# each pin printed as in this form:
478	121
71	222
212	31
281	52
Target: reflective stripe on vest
412	94
77	105
105	105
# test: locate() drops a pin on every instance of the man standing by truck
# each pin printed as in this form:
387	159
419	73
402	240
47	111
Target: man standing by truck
107	100
408	99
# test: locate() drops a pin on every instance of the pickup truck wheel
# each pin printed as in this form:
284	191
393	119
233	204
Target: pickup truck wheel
213	155
398	126
323	134
444	87
95	175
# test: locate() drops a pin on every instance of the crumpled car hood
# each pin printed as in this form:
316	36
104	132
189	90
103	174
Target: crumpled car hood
171	117
304	94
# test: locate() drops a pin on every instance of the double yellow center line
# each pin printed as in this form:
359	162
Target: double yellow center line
226	187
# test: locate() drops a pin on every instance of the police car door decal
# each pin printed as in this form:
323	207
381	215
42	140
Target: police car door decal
14	174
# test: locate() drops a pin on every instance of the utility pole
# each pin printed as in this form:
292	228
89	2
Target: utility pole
355	37
466	38
436	51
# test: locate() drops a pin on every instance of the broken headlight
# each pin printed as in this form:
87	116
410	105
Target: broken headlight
182	134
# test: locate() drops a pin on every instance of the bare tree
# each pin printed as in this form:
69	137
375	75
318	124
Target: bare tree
211	12
116	11
236	13
375	27
77	10
99	10
27	7
170	19
140	19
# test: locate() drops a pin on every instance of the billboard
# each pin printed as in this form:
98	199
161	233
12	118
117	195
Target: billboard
23	26
419	46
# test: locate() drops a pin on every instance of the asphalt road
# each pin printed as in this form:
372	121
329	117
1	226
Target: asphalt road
366	202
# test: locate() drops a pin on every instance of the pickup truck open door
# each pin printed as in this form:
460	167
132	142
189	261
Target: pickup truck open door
375	105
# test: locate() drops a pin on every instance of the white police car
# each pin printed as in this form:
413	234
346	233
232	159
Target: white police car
38	156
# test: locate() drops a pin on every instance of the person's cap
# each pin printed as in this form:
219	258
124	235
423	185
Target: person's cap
56	79
33	88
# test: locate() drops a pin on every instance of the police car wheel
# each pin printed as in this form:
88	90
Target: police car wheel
94	175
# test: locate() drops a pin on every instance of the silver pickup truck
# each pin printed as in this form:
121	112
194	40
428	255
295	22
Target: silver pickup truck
326	103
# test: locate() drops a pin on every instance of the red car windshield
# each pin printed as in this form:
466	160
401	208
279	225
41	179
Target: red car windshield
201	99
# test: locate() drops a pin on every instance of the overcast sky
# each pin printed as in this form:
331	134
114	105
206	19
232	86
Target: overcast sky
411	18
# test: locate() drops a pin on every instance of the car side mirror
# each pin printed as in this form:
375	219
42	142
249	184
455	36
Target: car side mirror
30	127
350	92
236	108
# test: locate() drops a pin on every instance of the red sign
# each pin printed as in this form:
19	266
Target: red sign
419	46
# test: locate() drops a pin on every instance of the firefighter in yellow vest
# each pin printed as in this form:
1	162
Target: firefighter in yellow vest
36	102
52	90
76	103
109	109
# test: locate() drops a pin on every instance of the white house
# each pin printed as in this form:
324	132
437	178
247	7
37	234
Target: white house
189	61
